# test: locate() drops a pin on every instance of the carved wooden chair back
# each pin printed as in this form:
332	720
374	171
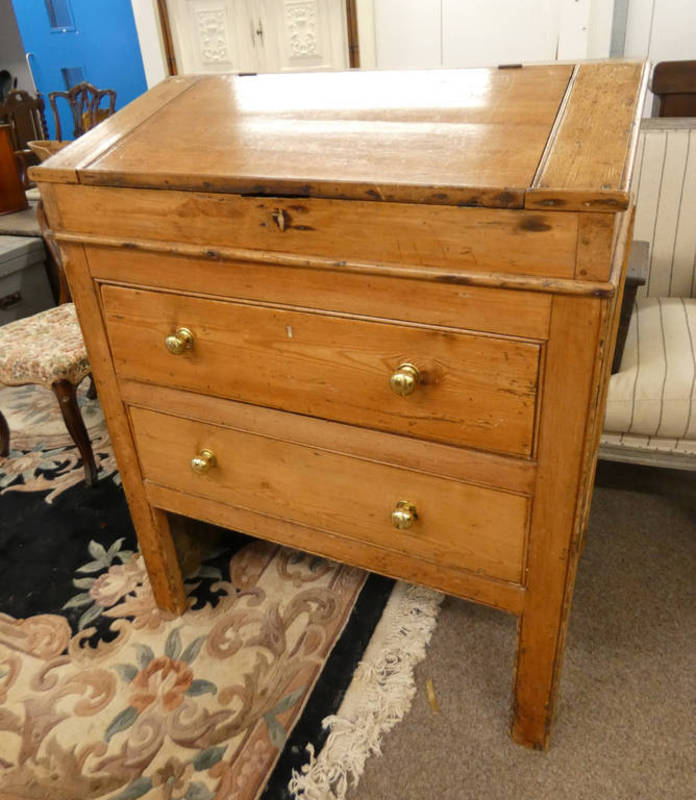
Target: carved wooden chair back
25	114
85	103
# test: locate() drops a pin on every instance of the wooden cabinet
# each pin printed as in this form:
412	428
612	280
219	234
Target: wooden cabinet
369	315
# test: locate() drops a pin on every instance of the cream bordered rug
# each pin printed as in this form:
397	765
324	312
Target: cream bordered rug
104	696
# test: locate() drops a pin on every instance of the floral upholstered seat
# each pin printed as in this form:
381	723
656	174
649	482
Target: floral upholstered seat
43	349
47	349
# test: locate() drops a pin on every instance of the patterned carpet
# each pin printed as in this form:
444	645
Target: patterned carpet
102	695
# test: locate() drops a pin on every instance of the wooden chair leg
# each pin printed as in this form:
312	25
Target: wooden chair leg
66	393
4	437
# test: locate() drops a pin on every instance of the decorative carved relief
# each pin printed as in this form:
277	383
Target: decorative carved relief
212	33
303	33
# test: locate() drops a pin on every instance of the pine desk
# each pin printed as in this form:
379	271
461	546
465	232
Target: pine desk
368	315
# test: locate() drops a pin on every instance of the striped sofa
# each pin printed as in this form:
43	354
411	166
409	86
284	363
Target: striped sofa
651	405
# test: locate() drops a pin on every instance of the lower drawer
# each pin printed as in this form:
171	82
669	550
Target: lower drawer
454	524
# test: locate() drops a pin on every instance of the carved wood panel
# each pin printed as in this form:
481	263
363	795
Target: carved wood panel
259	35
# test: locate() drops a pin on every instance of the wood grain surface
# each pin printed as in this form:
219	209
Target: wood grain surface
65	165
154	536
482	278
471	466
457	239
315	232
474	390
458	525
589	162
504	595
437	136
490	137
570	386
476	308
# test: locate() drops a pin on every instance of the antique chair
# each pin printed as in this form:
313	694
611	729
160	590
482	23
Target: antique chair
25	115
84	101
674	87
651	404
47	349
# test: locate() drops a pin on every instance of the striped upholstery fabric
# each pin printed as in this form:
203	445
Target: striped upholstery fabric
648	449
666	205
654	393
651	405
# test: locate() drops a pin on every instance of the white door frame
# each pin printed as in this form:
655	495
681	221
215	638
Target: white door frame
365	12
147	25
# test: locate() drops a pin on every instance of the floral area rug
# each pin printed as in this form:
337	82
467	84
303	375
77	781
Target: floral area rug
104	696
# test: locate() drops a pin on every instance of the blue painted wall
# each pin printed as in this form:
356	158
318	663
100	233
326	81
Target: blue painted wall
69	40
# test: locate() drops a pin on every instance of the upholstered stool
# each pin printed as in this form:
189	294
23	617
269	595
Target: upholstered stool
48	349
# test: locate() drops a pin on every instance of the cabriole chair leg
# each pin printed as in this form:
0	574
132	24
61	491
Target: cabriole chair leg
4	437
66	393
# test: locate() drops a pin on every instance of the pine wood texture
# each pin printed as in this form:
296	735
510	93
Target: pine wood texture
476	467
66	164
360	250
498	280
503	595
437	137
553	552
475	308
330	491
589	161
456	239
453	137
478	391
154	536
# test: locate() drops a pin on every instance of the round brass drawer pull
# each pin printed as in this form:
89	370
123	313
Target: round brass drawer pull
405	379
203	461
404	515
179	342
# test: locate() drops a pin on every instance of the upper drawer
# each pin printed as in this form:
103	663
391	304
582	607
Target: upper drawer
460	240
472	390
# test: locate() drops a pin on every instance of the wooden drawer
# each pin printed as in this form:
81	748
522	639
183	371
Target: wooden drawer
476	390
459	525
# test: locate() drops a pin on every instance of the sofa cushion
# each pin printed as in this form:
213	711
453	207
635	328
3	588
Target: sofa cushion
654	393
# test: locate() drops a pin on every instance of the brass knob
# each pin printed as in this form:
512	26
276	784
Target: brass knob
179	342
404	515
203	461
405	379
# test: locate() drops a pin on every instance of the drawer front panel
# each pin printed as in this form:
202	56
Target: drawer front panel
473	390
478	308
458	525
445	237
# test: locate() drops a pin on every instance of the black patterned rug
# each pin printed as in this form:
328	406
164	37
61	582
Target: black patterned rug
102	695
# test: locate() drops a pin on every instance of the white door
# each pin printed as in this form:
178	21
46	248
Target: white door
467	33
259	35
492	32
